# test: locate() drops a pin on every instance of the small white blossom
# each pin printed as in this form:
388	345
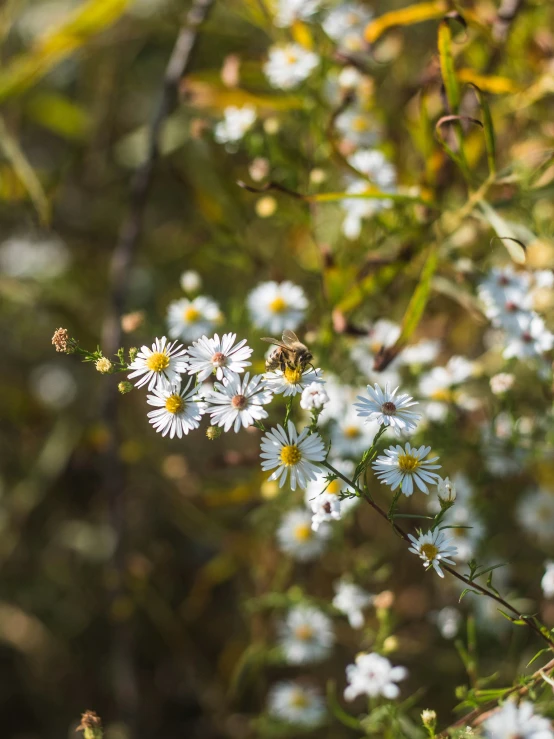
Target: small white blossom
404	466
359	209
448	621
530	339
387	408
547	582
163	363
433	548
288	11
219	356
296	704
323	496
293	454
190	319
306	635
346	23
373	675
351	600
446	490
288	66
297	538
293	380
519	721
277	306
501	383
535	512
239	402
313	397
236	122
190	281
178	411
357	127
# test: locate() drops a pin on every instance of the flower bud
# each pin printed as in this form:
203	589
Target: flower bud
446	491
125	387
133	351
429	718
213	432
91	725
103	365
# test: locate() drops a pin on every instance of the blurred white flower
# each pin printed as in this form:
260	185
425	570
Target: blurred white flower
292	380
346	23
162	364
293	454
350	599
519	721
27	257
297	538
277	306
547	582
288	66
424	352
306	635
239	402
374	164
287	11
296	704
178	410
529	339
439	386
433	548
357	127
190	319
208	356
236	122
535	511
388	409
501	383
373	675
53	385
351	435
313	397
190	281
448	621
402	466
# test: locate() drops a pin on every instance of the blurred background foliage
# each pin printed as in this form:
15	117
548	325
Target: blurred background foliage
131	589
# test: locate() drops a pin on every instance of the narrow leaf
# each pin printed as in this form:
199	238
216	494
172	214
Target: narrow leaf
448	71
490	142
405	17
505	232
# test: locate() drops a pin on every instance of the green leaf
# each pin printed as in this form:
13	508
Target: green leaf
468	590
420	297
448	71
490	142
337	710
538	654
504	231
58	114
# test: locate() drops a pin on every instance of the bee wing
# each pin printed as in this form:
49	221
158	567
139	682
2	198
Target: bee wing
273	341
289	338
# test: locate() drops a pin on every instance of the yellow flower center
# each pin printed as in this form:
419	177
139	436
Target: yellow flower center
351	432
174	404
443	395
333	487
291	58
293	375
191	314
157	361
278	305
408	463
290	455
360	124
302	532
304	632
299	700
429	551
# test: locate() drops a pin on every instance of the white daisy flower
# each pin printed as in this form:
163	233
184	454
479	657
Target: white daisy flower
350	435
297	538
178	411
433	548
357	127
323	498
373	675
448	621
164	363
277	306
219	356
292	380
498	281
346	23
388	409
190	319
501	383
288	11
547	582
351	600
313	397
403	466
439	386
374	164
293	454
288	66
423	352
239	402
296	704
519	721
530	339
535	512
236	122
306	635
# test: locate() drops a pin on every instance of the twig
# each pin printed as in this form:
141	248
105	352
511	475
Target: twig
125	690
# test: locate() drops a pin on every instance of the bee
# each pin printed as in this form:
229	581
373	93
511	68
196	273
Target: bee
290	352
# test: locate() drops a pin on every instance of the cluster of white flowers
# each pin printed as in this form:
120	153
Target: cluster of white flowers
508	298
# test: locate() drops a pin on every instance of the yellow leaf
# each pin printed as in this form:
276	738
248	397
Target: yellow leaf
494	84
58	114
302	35
89	19
448	71
405	17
